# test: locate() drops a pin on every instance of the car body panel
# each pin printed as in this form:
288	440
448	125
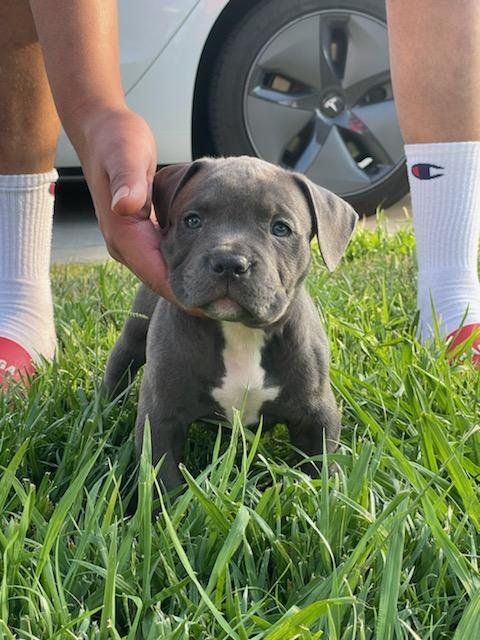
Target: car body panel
161	43
145	29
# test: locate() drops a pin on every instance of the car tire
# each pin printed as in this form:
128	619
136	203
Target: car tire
245	119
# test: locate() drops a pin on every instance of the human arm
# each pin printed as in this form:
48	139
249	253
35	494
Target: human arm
79	39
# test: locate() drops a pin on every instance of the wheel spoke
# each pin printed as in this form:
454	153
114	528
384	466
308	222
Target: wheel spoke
367	51
333	49
297	100
374	88
272	127
295	53
332	166
312	145
355	129
380	122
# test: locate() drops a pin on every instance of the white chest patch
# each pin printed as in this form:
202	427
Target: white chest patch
243	386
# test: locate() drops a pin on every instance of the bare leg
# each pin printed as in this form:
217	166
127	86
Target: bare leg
29	129
29	123
435	60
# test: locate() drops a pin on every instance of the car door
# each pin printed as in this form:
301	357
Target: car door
145	28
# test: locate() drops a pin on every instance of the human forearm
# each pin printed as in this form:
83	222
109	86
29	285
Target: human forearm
79	39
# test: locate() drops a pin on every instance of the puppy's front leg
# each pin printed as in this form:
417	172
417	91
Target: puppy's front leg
168	442
317	425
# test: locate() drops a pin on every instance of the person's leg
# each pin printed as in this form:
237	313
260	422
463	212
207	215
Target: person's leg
29	130
435	60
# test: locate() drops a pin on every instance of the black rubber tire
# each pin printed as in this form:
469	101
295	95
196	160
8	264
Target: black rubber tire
230	72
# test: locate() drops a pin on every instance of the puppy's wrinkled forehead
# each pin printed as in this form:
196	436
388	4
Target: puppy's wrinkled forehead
235	187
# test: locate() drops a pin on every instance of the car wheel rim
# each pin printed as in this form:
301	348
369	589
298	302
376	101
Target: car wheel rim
318	100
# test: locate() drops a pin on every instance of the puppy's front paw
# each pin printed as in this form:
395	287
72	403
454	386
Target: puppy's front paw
313	469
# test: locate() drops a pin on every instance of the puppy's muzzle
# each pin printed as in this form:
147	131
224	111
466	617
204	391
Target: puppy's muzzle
229	265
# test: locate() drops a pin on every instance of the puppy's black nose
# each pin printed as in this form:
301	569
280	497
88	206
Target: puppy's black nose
229	264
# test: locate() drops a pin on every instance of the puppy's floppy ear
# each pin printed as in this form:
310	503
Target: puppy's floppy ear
167	184
333	220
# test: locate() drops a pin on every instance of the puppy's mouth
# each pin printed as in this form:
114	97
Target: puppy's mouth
225	309
252	306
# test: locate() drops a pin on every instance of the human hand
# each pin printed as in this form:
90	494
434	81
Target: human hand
118	156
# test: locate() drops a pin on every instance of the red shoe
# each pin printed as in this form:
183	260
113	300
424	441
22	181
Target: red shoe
465	340
15	362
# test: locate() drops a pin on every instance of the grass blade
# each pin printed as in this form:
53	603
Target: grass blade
107	620
292	624
191	573
61	511
387	609
469	626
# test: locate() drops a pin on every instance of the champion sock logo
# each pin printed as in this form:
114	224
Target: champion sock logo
423	171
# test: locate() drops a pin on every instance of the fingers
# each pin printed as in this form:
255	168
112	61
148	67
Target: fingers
136	243
122	145
130	173
119	162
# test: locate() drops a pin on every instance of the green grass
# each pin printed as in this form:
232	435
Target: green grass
253	549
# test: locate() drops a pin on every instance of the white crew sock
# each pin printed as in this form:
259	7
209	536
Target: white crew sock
445	186
26	310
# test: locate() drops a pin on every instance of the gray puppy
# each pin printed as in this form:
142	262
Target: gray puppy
237	237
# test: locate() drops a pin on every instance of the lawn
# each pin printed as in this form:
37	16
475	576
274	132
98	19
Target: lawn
253	549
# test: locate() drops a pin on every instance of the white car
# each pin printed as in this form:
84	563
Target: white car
303	84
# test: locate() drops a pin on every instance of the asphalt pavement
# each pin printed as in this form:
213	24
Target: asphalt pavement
77	238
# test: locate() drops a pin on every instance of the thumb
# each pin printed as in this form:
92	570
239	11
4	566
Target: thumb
130	194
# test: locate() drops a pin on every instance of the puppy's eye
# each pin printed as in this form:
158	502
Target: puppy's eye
281	229
193	221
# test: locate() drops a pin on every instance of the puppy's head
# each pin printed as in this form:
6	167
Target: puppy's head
237	235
